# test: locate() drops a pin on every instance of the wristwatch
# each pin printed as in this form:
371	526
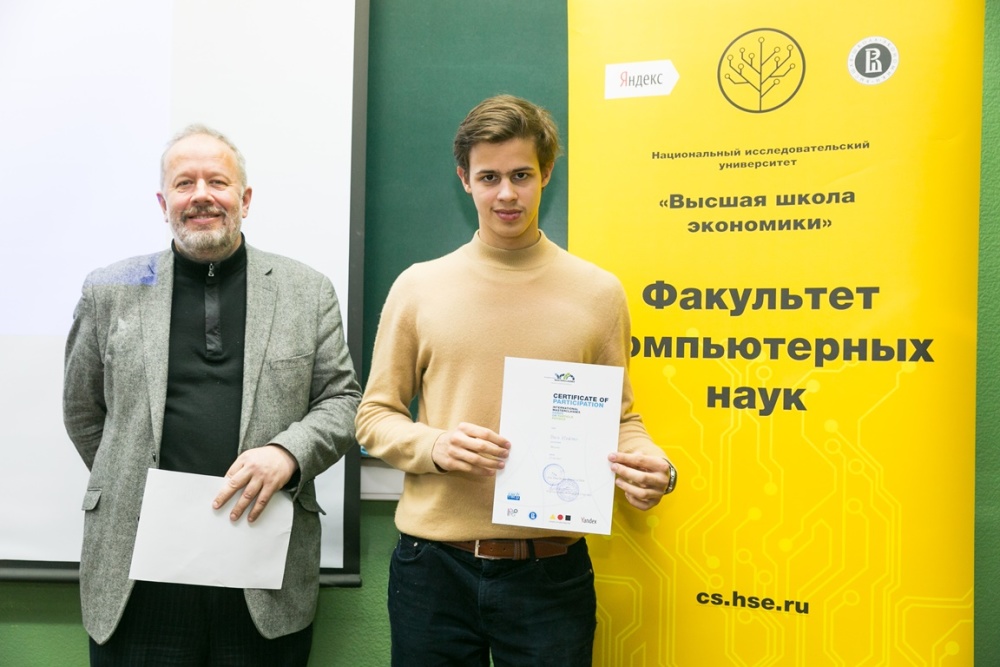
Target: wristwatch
672	471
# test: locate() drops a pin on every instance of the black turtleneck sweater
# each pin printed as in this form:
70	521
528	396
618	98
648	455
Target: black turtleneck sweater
201	423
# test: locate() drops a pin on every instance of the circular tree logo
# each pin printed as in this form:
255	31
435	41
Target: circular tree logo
761	70
873	60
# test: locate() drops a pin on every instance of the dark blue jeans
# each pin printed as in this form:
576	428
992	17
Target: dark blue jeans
447	607
194	626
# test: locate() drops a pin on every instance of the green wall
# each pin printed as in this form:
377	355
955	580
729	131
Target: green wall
430	61
987	619
40	623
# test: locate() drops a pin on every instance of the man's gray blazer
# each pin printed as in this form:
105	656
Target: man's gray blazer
299	391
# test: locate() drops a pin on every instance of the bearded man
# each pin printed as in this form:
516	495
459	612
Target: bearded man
214	358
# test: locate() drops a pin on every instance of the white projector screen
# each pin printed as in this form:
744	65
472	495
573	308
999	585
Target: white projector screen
92	92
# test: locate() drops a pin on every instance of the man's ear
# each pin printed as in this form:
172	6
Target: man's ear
547	176
163	204
464	177
246	201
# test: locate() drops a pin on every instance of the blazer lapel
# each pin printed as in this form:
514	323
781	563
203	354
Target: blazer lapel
155	314
261	300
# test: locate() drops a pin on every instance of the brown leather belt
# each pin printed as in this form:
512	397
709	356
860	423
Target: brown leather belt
515	549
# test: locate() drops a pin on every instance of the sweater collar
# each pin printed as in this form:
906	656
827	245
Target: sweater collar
189	267
533	256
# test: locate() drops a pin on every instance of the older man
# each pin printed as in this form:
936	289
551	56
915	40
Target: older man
216	358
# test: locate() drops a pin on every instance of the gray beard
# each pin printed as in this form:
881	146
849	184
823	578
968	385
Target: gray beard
207	244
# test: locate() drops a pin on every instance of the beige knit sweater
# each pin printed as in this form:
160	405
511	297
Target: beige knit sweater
445	329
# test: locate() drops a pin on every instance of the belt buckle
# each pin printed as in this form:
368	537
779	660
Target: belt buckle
483	556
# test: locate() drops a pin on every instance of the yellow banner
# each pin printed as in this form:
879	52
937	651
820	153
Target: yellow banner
789	193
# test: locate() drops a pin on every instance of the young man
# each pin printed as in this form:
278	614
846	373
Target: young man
460	587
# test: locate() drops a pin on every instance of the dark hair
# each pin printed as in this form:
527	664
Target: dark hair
506	117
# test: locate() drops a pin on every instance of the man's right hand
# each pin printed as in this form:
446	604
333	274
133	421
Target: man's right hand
470	448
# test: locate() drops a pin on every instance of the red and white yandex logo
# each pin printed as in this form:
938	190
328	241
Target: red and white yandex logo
643	79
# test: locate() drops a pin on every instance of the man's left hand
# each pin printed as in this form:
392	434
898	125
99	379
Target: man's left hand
260	473
644	479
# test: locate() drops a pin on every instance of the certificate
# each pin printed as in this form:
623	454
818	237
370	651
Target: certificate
561	419
181	539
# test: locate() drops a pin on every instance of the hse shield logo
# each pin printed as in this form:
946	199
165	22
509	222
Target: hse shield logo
873	60
761	70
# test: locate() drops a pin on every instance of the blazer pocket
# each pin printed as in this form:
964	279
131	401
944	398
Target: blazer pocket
309	503
90	499
292	362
